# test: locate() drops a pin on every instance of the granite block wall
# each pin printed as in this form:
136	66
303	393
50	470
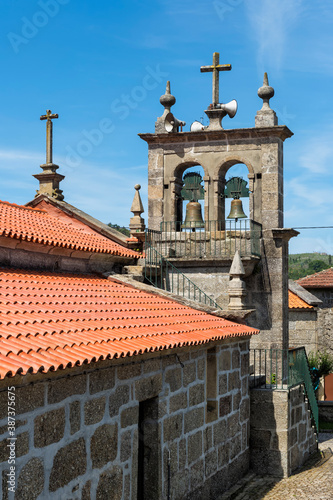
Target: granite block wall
282	436
78	433
303	329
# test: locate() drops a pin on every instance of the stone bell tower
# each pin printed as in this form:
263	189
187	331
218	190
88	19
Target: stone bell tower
206	254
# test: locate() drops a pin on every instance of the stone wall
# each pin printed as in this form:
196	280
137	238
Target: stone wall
214	281
325	329
281	435
78	432
303	329
28	255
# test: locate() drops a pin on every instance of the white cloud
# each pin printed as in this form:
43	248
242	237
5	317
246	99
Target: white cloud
11	154
316	152
151	41
271	22
317	157
315	196
311	243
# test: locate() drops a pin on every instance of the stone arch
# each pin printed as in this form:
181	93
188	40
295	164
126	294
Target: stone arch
181	167
223	168
234	160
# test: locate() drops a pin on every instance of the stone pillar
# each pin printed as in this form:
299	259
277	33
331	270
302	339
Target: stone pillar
155	188
273	290
272	184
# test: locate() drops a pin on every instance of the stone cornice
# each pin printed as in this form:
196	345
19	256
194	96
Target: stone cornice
284	233
281	132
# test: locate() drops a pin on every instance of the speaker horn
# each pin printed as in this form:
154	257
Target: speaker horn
230	108
197	127
172	124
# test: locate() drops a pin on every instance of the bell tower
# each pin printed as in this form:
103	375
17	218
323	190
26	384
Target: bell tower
205	253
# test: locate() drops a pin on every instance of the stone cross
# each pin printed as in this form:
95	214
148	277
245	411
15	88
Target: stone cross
215	69
49	138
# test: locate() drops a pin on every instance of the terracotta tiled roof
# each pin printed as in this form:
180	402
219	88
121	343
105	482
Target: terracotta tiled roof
51	321
296	302
324	279
31	224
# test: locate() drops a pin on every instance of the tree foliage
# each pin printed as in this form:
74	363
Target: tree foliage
121	229
301	265
317	265
322	361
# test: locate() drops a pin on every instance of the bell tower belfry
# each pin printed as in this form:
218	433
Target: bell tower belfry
205	253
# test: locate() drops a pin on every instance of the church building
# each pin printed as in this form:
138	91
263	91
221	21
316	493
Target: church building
125	365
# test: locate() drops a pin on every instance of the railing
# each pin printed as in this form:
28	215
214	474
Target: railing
207	239
284	369
163	274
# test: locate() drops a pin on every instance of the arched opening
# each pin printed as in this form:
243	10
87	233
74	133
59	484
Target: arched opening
234	176
181	189
237	190
192	194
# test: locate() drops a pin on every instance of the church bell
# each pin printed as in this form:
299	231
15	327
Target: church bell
193	217
236	210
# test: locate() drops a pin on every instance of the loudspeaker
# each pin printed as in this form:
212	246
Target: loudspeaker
172	124
197	126
230	108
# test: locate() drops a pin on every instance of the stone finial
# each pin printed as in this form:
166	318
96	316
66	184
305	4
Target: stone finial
167	100
237	287
137	223
266	117
266	92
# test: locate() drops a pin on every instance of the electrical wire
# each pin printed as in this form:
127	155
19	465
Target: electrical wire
314	227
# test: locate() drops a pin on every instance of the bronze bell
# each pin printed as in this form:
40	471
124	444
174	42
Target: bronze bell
193	217
236	210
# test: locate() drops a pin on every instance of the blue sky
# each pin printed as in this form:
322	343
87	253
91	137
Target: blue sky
102	67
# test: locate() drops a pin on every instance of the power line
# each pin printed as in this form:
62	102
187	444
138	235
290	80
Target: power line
314	227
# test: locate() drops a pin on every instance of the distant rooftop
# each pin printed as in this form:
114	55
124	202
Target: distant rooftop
323	279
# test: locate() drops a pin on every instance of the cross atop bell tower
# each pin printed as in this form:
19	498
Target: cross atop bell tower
49	179
215	69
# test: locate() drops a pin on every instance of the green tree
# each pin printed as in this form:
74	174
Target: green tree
316	266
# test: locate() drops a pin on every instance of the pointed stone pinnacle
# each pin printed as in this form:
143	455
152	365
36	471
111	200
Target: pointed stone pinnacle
265	79
137	223
137	207
237	268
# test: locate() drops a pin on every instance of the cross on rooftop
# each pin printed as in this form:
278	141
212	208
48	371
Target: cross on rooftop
49	138
215	69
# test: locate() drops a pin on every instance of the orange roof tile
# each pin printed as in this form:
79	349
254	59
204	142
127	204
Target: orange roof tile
31	224
323	279
295	302
51	321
